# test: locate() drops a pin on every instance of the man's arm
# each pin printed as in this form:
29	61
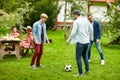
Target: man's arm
73	32
98	30
34	31
47	39
46	35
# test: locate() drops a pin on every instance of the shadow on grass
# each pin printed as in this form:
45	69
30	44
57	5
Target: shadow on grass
9	58
14	58
115	47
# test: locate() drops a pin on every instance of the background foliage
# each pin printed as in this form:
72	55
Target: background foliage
28	11
79	5
6	22
43	6
114	24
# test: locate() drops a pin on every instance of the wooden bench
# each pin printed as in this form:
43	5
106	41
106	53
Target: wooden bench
24	51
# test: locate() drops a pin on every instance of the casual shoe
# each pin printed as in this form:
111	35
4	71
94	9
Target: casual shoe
33	67
41	66
87	72
77	75
89	60
102	62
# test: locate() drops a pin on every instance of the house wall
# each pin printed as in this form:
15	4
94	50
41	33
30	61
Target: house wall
60	17
99	11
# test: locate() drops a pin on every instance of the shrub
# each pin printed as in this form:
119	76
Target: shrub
6	22
43	6
114	26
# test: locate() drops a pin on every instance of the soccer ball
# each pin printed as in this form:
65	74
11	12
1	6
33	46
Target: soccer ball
68	68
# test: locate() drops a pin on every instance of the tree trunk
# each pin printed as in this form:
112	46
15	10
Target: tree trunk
65	35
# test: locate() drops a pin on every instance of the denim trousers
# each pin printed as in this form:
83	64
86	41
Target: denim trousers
81	50
98	48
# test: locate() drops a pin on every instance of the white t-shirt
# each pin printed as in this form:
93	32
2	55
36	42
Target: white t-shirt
81	31
92	35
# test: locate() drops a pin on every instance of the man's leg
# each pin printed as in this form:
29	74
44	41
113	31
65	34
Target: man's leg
35	53
79	50
40	54
89	50
100	52
85	58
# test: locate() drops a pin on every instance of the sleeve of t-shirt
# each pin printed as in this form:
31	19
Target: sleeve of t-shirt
73	31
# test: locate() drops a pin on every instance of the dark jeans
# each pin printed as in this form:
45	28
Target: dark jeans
81	50
37	54
98	48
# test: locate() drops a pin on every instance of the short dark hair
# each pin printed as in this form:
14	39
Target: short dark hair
89	14
13	27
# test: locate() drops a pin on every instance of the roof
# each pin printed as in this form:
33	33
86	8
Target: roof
101	1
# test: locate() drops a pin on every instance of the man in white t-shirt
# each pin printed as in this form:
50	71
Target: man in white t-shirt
80	35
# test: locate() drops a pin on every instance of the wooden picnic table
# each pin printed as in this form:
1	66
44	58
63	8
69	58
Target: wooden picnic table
14	41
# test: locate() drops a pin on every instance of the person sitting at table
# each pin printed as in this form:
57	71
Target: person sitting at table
27	43
14	33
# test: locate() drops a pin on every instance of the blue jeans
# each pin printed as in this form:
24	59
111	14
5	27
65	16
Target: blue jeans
98	48
81	50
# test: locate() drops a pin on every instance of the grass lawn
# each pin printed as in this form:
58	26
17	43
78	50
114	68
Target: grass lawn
56	56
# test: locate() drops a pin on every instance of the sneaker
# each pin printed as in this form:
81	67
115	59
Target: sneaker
33	67
77	75
102	62
41	66
89	60
87	72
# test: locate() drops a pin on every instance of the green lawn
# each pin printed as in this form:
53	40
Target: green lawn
56	56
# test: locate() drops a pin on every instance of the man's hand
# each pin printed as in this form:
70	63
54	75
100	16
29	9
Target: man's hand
48	41
36	42
98	40
34	37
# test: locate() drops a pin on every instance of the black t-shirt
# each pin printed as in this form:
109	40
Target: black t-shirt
42	34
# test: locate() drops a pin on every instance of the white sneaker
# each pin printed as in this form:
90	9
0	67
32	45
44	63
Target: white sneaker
41	66
89	60
102	62
33	67
77	75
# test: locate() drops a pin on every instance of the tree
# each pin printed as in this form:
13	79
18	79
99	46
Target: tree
43	6
23	14
24	10
114	24
10	5
79	5
65	33
76	5
6	21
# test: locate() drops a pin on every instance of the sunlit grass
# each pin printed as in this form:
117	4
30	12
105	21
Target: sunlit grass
56	56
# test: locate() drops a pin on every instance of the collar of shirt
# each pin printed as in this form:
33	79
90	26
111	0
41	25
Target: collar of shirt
79	17
42	24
